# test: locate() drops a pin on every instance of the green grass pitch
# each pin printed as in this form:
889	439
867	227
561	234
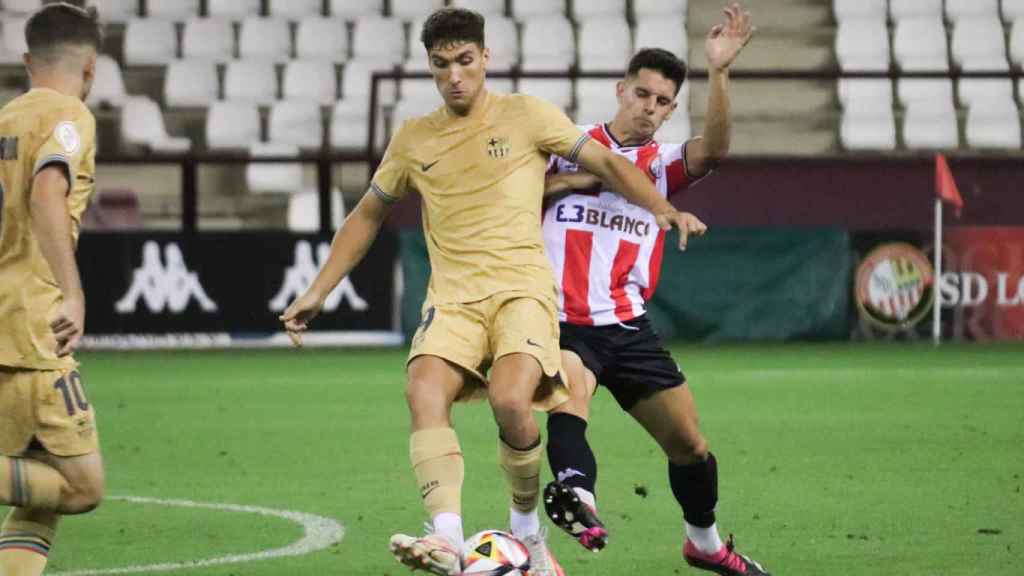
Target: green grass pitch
834	459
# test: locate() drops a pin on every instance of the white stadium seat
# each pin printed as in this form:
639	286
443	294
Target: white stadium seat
643	8
503	40
919	44
666	32
598	9
14	46
604	44
1012	10
349	123
993	124
190	83
970	90
957	9
296	122
304	210
321	39
273	177
914	89
149	41
232	125
523	9
863	44
558	91
409	9
142	124
1017	42
409	108
677	128
108	87
417	60
116	10
22	6
597	94
232	9
855	90
547	44
172	9
252	81
208	39
266	38
930	125
868	126
313	80
356	80
900	9
978	44
296	9
488	8
379	39
843	9
356	9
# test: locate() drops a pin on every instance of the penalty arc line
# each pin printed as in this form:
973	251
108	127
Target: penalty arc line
318	533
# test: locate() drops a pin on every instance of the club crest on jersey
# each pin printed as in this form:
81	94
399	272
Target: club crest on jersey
656	169
498	147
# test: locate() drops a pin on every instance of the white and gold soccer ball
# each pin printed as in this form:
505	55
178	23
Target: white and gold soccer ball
495	553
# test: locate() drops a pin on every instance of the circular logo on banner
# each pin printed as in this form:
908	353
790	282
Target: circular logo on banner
67	135
895	286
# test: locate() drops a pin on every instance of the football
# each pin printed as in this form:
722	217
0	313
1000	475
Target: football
495	553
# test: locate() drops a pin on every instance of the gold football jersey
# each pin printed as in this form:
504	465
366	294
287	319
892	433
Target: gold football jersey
38	129
481	178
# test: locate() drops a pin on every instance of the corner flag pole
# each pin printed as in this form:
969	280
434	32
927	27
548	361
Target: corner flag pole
937	298
945	191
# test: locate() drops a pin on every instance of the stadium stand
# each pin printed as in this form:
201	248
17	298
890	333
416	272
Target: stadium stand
273	177
309	61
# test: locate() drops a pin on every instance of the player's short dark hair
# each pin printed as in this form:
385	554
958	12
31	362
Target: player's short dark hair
59	24
661	61
451	26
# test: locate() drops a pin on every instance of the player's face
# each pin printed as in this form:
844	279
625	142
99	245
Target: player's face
459	70
646	101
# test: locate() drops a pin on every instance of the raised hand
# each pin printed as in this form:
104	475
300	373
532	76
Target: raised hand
725	41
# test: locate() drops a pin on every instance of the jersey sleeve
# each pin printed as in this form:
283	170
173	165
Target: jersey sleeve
677	173
71	143
552	130
391	180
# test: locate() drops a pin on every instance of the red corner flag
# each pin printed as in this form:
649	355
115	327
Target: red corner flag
945	186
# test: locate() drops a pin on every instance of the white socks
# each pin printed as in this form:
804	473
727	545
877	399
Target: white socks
705	539
450	524
524	523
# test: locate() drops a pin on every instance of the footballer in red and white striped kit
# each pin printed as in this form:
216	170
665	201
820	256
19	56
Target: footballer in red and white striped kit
606	254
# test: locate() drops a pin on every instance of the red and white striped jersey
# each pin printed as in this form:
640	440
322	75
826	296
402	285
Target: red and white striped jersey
606	252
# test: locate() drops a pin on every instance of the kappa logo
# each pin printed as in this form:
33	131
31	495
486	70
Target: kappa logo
164	284
300	276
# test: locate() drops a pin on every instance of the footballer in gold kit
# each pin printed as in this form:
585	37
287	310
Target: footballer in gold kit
490	323
50	462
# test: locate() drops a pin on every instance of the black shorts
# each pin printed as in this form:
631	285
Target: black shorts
628	358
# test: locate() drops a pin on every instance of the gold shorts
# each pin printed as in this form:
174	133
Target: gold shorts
476	334
48	406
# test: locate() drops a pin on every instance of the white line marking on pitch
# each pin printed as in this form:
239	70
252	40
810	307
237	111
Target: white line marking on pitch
318	533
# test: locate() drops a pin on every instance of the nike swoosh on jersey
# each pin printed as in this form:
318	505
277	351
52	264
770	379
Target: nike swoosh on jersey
429	166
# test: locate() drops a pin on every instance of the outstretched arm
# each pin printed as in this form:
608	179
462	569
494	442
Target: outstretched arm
555	184
723	44
350	244
629	181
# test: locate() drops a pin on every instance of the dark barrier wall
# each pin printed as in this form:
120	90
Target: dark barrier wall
732	284
233	283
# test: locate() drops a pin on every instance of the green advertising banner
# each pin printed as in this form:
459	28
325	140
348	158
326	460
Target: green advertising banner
731	285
